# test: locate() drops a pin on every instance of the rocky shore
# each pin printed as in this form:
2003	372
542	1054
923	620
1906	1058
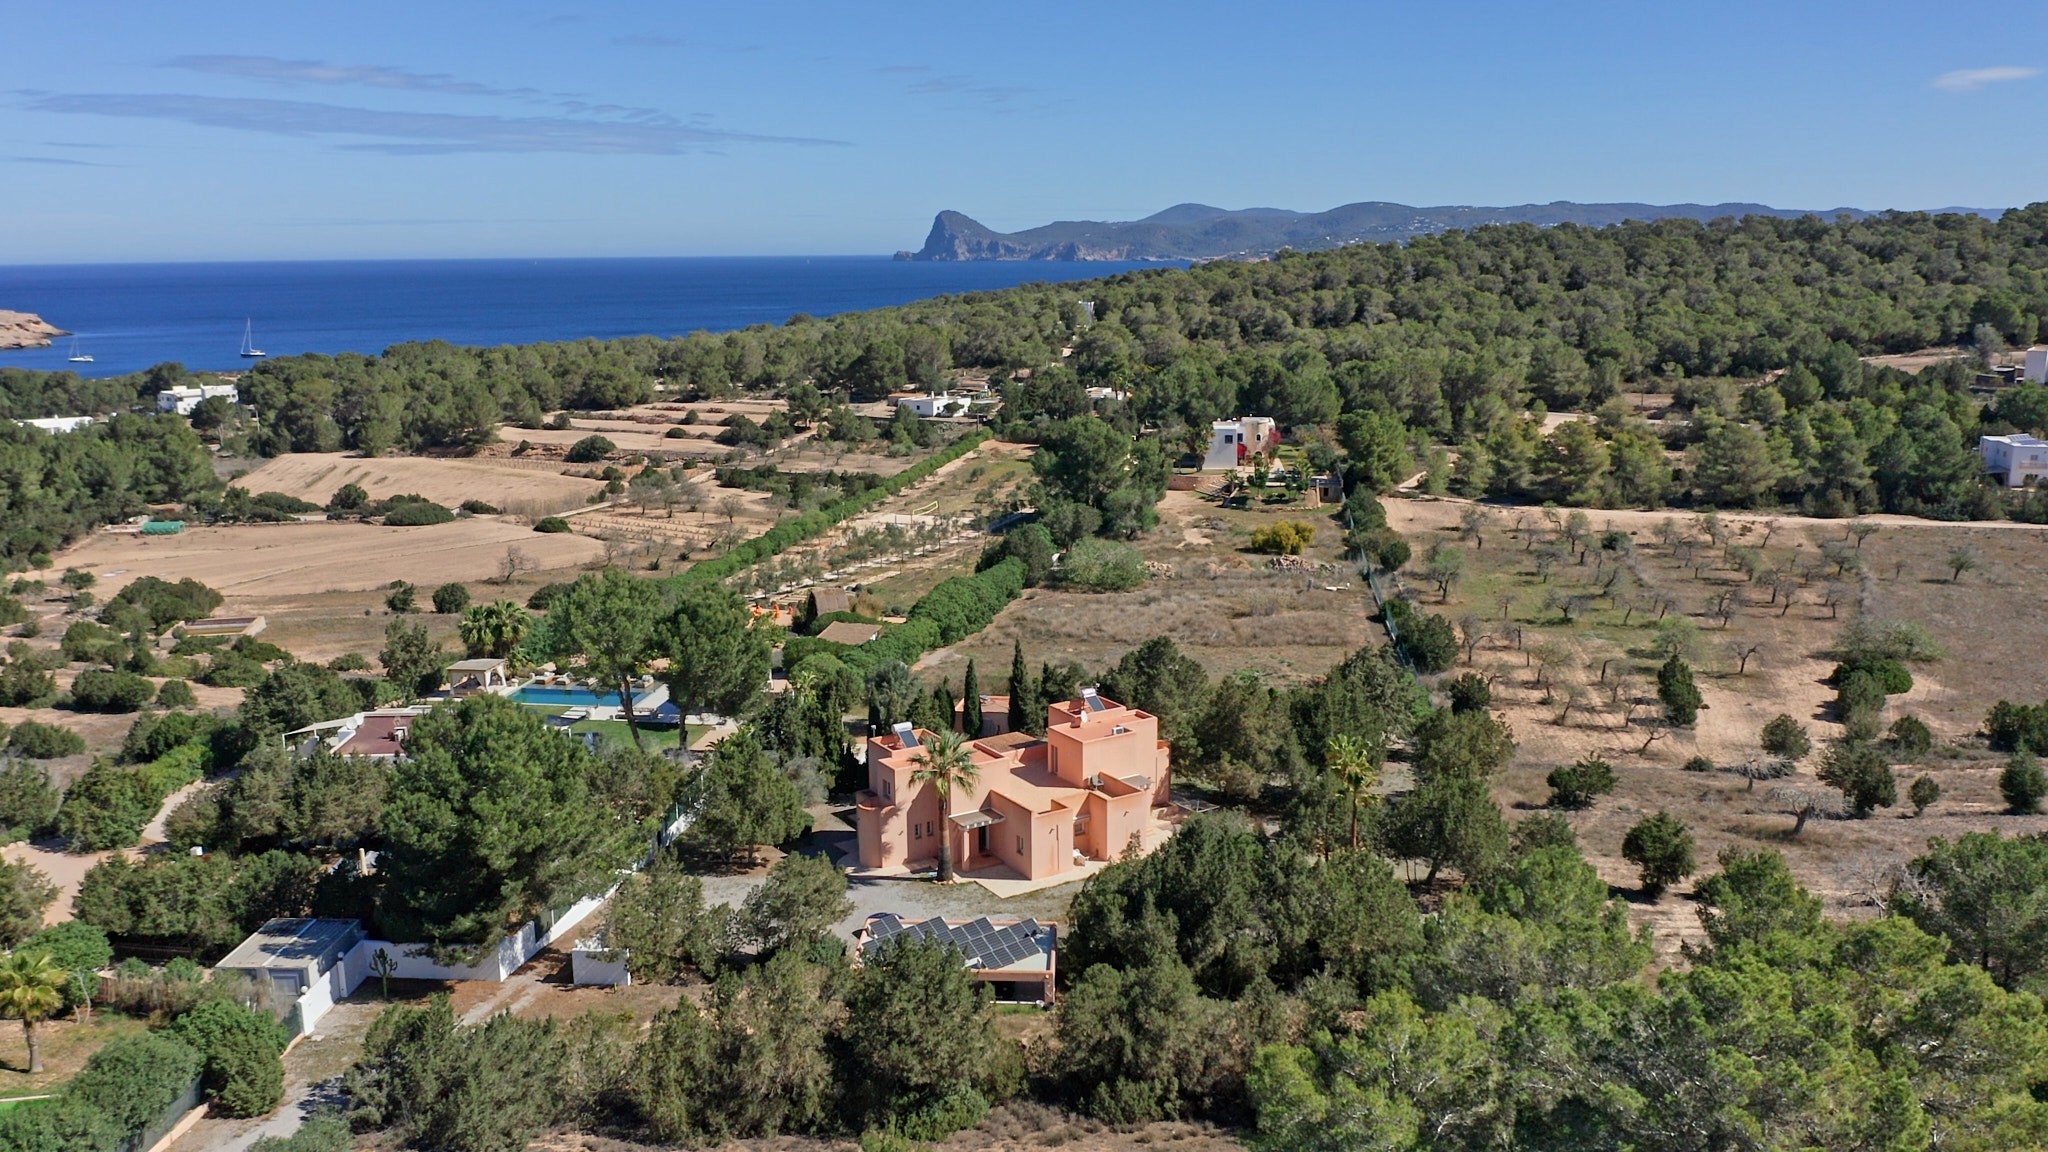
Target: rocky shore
26	330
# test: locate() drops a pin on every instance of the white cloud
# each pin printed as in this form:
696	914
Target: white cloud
1971	79
595	130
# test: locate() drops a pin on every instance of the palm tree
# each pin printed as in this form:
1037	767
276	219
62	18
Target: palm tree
493	629
944	762
31	991
1354	765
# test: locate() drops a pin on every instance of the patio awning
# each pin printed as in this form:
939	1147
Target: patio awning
977	819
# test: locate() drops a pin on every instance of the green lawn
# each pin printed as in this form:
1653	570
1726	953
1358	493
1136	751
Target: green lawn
654	738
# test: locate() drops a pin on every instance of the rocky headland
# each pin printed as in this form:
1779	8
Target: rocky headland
26	330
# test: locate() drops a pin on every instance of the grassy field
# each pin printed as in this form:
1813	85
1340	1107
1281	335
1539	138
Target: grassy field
67	1045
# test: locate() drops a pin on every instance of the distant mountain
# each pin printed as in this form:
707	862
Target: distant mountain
1200	232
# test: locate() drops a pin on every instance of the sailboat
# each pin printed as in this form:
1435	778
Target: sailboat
249	349
78	357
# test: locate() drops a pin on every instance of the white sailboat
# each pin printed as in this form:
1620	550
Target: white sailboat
249	349
78	357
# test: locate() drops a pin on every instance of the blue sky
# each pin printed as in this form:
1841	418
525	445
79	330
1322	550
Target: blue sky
211	130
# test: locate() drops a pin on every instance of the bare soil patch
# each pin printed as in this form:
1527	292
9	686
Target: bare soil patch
503	482
269	560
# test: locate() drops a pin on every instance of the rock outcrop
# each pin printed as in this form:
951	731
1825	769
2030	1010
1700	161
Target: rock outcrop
26	330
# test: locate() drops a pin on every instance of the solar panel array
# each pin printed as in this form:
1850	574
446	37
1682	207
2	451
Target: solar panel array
907	734
985	945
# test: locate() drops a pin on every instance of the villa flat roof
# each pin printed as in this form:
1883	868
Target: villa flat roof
293	943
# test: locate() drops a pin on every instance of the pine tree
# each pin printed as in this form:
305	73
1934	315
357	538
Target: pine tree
970	703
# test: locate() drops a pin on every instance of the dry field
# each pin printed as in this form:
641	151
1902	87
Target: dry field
504	482
1847	861
257	562
1225	607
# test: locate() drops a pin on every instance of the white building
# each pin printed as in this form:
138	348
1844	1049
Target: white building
937	404
2035	370
2019	458
184	400
1234	442
55	424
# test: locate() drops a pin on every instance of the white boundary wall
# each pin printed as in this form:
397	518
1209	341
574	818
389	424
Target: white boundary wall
415	961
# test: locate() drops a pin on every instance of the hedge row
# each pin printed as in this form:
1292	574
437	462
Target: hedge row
792	532
949	613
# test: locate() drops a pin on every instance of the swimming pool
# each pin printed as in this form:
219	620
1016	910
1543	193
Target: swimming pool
544	696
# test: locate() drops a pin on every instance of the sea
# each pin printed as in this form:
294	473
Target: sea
128	317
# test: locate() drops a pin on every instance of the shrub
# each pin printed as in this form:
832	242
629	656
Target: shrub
244	1072
1861	774
1468	692
12	611
1428	640
545	596
100	690
321	1132
175	694
1891	675
1698	764
91	643
2013	726
479	508
1923	793
1102	566
1675	688
1391	552
2023	784
349	662
25	683
590	450
1662	847
552	524
28	801
1287	538
1861	692
106	808
230	670
78	948
1786	737
347	498
1910	737
133	1079
39	741
164	603
415	514
450	599
1577	785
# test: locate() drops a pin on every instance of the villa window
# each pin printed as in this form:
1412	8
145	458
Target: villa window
917	831
1020	846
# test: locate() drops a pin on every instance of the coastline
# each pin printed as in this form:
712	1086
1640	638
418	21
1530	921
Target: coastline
26	330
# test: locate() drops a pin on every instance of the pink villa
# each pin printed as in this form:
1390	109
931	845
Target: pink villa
1038	808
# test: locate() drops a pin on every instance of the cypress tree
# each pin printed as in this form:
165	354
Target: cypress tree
1023	698
970	703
